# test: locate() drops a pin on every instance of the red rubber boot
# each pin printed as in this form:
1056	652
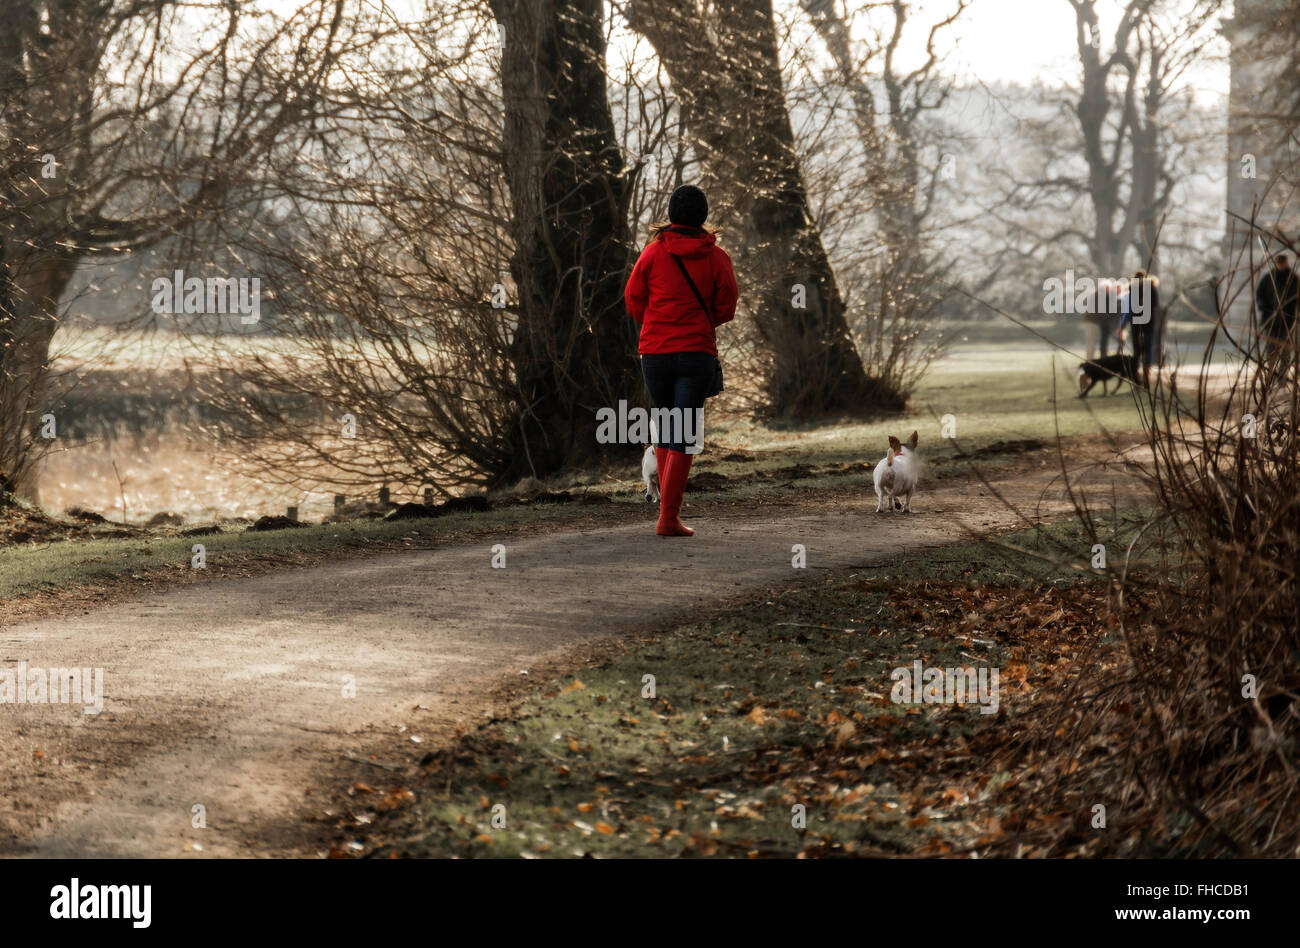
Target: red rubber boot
674	468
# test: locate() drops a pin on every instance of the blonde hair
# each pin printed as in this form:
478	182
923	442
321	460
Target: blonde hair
658	227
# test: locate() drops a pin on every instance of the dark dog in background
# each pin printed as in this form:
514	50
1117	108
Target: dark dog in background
1121	368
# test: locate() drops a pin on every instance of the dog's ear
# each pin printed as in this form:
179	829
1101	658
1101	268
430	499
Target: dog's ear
911	442
894	444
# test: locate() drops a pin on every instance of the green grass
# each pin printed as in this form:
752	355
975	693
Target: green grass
63	564
1188	335
784	702
988	405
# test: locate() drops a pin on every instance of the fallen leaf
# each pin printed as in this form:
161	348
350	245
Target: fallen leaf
844	733
394	799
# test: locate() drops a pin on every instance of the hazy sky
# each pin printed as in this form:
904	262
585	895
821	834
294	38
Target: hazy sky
1030	41
1026	41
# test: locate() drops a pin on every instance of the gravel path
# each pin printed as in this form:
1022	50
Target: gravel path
234	695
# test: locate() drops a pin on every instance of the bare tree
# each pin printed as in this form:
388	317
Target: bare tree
455	285
736	115
86	169
574	347
891	131
1128	120
895	280
1275	25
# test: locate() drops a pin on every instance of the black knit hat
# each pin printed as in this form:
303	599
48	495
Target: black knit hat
688	206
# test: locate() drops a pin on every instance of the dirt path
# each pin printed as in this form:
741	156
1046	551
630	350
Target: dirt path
231	695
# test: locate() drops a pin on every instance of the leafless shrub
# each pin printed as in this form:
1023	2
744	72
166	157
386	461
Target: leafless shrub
453	276
124	125
1188	728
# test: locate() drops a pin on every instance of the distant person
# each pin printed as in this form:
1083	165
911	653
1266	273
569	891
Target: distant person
1159	322
682	287
1277	299
1094	320
1147	319
1112	327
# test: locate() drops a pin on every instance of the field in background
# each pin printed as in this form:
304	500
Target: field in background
131	446
1185	339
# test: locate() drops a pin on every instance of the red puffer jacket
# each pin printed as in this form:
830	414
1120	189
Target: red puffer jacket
661	301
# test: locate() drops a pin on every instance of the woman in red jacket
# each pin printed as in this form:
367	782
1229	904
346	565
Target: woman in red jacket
678	347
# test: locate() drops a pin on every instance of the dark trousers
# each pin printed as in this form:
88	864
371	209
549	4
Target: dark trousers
1147	343
1110	336
1278	327
1141	344
678	380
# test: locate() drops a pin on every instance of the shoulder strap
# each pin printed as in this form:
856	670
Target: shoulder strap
694	289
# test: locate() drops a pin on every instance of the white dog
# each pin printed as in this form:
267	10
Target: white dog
650	474
896	475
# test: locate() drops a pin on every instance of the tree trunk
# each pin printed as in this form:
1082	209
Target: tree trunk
79	170
29	293
33	268
729	88
574	345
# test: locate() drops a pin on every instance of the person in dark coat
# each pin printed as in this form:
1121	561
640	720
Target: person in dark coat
1094	319
1112	326
1147	318
1277	300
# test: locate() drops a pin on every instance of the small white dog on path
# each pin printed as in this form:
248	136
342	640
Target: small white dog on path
650	474
896	475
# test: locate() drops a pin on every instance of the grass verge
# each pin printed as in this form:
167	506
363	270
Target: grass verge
707	741
1001	414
